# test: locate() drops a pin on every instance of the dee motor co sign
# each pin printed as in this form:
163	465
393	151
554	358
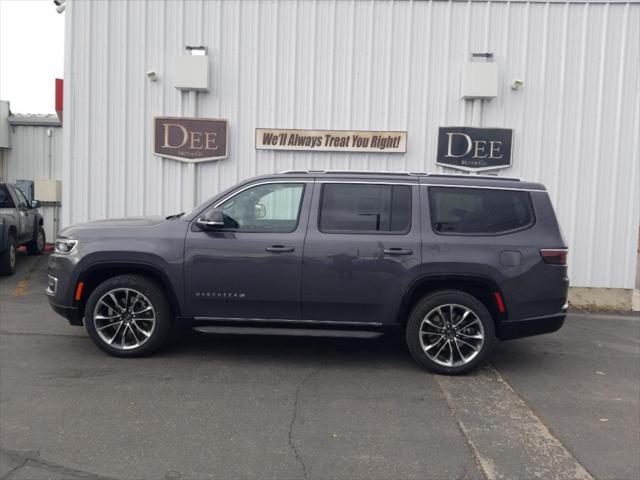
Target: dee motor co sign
190	139
331	140
474	149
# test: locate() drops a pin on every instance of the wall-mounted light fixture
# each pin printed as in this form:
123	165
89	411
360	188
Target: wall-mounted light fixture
517	84
60	5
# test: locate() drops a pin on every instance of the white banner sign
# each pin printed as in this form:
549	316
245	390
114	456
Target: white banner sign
331	140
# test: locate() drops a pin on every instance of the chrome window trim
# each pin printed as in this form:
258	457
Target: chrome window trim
247	187
346	180
370	182
482	187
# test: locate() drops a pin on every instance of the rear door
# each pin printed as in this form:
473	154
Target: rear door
362	251
251	267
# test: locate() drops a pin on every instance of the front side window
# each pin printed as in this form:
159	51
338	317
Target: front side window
273	207
5	198
22	200
479	211
365	208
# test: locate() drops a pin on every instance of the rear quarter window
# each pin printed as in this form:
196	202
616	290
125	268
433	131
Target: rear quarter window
479	211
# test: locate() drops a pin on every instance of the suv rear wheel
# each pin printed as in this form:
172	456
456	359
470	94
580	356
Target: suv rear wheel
450	332
128	316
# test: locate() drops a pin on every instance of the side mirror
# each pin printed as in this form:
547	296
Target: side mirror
214	218
259	211
35	203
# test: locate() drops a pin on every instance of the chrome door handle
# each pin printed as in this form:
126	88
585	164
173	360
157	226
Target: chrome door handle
279	249
398	251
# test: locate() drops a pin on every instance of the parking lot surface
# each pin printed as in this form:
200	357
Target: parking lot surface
565	405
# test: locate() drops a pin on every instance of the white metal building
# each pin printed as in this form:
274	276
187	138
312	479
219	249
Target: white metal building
362	65
33	151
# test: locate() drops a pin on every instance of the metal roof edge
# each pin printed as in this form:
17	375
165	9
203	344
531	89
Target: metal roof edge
34	120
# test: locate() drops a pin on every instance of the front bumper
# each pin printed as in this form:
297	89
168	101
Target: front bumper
529	327
60	285
70	313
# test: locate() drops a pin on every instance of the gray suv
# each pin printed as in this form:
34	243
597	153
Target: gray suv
456	261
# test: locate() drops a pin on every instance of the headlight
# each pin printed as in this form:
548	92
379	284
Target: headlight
65	245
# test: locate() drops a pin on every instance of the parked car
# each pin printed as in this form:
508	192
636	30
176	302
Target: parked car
20	224
456	261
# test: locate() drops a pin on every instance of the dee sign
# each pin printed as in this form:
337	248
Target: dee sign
474	149
190	139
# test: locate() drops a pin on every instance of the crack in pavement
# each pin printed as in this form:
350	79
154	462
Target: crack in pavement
18	467
294	415
30	457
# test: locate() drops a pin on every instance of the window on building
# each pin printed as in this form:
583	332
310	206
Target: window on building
273	207
5	198
478	211
365	208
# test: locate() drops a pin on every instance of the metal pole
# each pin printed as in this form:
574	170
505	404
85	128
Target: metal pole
192	168
476	116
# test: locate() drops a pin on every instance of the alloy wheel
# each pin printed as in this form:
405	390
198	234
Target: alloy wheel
451	335
12	255
124	318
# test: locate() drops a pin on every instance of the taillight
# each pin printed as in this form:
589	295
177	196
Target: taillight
554	256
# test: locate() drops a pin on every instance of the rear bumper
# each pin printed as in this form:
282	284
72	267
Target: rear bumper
531	326
70	313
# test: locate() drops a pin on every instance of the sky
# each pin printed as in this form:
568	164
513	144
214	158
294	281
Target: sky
31	54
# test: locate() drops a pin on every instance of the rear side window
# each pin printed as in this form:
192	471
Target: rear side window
479	211
5	199
365	208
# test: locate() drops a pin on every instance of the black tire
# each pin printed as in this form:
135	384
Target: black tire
154	294
453	337
36	246
8	257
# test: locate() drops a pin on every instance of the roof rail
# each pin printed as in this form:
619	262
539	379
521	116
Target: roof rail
344	172
462	175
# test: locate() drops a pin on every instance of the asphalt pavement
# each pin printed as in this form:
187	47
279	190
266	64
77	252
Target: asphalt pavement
565	405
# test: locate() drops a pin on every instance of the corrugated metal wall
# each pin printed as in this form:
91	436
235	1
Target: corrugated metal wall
356	64
35	153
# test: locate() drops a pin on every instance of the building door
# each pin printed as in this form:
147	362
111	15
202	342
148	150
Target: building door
250	268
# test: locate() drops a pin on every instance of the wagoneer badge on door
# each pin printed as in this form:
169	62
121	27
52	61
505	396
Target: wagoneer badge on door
190	139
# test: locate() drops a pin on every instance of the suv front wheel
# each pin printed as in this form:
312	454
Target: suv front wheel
128	316
450	332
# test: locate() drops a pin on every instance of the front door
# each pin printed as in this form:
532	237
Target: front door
251	267
27	217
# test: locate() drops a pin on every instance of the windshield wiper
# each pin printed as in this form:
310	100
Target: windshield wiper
177	215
